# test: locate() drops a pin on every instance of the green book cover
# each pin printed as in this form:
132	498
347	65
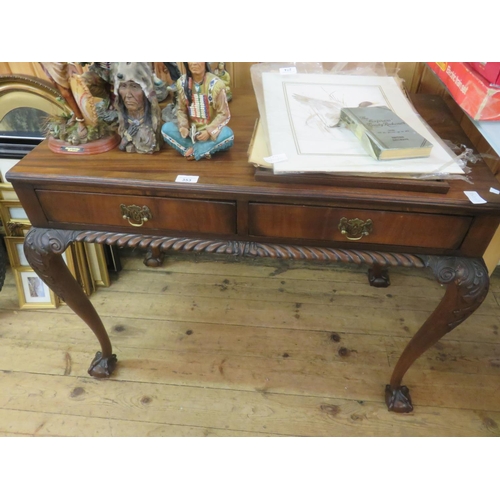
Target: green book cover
383	134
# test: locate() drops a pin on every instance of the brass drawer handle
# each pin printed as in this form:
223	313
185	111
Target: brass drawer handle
135	215
355	229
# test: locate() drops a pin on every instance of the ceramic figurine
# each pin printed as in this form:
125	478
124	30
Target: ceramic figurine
226	78
174	74
139	115
161	88
84	132
202	114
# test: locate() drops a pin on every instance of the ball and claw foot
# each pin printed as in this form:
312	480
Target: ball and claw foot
379	279
153	259
398	400
102	367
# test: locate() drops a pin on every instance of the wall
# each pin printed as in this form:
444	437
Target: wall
239	71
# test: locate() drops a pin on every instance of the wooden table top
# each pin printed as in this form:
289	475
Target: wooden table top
229	173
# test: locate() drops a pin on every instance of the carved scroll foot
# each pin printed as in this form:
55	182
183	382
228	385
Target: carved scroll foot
154	258
378	277
467	283
398	400
102	367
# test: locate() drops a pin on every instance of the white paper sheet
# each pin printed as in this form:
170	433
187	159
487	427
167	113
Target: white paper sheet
302	113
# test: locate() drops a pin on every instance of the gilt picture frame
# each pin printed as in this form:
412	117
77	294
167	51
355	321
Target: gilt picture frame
17	229
33	293
97	263
14	218
5	165
13	211
15	251
7	192
85	277
26	102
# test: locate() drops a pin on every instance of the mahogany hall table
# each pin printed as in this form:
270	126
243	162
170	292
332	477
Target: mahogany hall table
132	200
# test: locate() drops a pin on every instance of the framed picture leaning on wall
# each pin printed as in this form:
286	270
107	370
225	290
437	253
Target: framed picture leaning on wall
33	293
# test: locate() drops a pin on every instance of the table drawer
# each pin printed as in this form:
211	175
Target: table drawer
173	214
386	228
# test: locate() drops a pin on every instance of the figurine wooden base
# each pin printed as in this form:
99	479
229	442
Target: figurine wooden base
90	148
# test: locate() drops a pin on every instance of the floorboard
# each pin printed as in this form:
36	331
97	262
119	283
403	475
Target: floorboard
247	347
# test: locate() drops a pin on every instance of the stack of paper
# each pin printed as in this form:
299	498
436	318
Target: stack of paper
301	130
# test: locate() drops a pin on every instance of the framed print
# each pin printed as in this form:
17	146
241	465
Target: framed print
26	102
69	260
15	250
13	211
17	229
85	277
33	293
7	192
112	255
97	263
305	132
5	165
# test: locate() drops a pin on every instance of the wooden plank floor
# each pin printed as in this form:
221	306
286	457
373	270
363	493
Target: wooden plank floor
216	346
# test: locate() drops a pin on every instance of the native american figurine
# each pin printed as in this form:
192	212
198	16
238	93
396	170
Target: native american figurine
84	126
222	73
139	115
202	114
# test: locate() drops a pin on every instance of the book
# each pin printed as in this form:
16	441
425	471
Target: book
383	134
258	150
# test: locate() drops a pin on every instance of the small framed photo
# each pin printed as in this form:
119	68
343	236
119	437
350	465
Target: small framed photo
97	263
5	165
85	277
13	211
17	258
33	292
17	229
69	260
15	251
7	192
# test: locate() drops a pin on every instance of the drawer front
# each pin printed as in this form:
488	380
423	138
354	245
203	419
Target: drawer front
94	209
386	228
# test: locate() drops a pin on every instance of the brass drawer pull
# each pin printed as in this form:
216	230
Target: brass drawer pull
135	215
355	229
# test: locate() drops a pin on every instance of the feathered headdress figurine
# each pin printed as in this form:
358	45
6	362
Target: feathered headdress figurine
139	114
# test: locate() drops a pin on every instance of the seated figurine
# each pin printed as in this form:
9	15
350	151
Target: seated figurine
202	115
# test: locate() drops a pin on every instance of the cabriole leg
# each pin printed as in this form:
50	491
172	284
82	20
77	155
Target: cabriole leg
467	283
43	249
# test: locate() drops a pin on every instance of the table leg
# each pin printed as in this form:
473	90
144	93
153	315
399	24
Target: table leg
154	257
467	283
43	249
378	276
